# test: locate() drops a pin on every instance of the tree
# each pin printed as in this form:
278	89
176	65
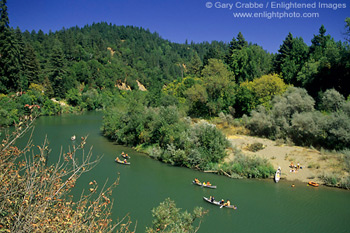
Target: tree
168	218
194	68
290	59
264	89
58	72
31	67
319	43
247	61
347	29
9	53
237	56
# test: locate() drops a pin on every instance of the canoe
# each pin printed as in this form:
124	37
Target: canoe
218	203
204	185
313	184
122	162
278	175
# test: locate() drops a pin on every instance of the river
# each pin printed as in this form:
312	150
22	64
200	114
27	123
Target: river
263	206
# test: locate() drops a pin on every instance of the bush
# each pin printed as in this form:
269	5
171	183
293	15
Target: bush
250	167
330	179
255	147
293	116
261	123
345	182
169	218
176	140
308	128
331	101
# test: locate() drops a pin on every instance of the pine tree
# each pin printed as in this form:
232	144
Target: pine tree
57	70
194	68
347	28
237	57
319	44
31	65
290	59
9	54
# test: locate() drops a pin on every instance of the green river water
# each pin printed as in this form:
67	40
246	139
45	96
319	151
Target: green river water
263	206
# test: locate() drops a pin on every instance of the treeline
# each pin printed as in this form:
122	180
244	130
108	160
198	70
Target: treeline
85	68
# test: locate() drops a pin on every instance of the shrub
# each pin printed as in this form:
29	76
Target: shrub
330	179
261	123
293	116
251	167
345	182
307	128
169	218
331	101
255	147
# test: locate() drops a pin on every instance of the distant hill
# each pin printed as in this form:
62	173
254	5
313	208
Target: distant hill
102	55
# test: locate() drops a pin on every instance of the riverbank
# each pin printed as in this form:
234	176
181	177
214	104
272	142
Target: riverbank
314	163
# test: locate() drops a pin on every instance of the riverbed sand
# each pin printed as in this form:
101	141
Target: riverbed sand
313	163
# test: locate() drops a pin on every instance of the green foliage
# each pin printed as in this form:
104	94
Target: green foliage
338	131
247	62
50	108
214	92
330	179
73	97
250	167
194	68
262	90
331	101
290	59
169	218
255	146
175	139
293	116
347	28
308	128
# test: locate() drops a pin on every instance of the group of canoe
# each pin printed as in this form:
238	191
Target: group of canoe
125	161
211	199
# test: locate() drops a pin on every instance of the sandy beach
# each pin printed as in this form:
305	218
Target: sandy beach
313	163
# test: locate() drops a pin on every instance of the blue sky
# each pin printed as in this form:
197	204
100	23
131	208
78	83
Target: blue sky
178	20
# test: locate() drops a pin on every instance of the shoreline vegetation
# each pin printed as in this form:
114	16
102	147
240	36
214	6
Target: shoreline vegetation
166	135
